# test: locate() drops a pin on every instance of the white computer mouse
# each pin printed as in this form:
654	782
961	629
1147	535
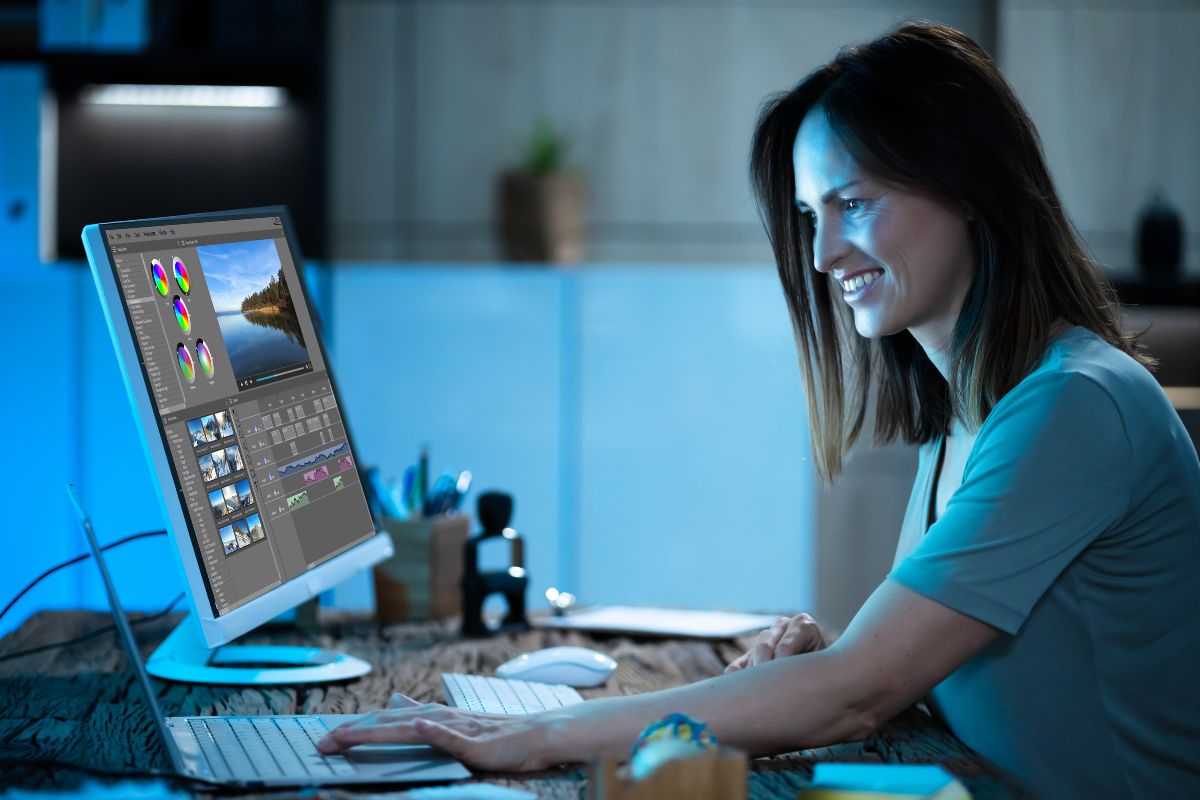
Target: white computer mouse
573	666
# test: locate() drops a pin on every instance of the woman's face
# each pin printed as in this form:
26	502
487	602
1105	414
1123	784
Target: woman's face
901	260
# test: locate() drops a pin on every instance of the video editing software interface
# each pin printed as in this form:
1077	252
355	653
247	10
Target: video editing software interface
244	400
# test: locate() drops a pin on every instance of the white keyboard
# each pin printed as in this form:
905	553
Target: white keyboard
504	696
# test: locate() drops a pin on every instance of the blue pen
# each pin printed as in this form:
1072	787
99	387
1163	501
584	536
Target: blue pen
423	477
406	491
441	496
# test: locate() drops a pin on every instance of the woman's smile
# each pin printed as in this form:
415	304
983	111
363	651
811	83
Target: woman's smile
858	285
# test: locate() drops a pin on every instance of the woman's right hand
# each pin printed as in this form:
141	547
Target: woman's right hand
489	742
789	636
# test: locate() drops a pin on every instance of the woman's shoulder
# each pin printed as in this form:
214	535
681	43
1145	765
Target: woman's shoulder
1084	370
1082	354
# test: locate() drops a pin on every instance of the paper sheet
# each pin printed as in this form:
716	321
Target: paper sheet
660	621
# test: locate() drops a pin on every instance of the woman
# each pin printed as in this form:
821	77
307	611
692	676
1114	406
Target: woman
1046	594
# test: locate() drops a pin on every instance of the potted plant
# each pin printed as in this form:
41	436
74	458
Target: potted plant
540	204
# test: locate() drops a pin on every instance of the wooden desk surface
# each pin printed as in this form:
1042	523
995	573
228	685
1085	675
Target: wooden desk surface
80	704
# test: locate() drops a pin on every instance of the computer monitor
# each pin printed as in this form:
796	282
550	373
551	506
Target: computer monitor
243	429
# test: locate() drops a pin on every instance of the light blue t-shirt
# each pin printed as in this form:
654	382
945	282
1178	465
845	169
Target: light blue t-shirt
1076	532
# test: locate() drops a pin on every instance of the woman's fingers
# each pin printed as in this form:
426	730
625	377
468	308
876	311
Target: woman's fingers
443	738
349	735
398	725
401	701
738	663
789	636
494	744
764	650
802	636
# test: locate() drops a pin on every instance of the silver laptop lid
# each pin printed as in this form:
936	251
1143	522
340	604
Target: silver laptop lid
125	634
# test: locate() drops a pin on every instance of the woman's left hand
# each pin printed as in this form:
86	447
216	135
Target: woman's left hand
489	742
789	636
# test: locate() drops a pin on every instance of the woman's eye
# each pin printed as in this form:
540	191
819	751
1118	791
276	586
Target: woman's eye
854	205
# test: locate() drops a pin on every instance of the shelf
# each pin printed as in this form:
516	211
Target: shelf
1184	293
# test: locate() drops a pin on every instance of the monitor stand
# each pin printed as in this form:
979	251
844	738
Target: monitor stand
184	657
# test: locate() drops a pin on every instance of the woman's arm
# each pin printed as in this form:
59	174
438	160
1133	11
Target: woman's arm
899	646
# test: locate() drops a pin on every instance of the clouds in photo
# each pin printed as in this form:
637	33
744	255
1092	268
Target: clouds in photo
236	270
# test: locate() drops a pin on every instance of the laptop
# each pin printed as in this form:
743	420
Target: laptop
267	751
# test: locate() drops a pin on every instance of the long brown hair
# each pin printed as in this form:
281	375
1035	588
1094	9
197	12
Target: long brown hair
925	107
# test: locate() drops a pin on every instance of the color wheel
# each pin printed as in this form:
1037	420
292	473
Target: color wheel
181	276
181	314
186	365
160	276
206	359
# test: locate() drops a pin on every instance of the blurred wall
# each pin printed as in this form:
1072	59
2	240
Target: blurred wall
1111	86
431	100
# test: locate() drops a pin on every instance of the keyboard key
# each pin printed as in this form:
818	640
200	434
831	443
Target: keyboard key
279	747
212	754
240	764
254	747
315	729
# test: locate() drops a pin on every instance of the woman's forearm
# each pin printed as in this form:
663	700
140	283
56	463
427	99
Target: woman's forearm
798	702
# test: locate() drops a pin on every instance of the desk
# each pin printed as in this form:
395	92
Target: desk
81	704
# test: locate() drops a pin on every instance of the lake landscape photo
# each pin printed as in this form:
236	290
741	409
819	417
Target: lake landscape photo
254	307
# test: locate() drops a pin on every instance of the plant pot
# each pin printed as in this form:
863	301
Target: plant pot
540	217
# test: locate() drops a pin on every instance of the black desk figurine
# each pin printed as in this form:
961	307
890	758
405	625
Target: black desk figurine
495	511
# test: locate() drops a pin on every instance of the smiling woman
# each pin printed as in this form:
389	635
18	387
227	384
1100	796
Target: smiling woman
1047	576
925	256
922	159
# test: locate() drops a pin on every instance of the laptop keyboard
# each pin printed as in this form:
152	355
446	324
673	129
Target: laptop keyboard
503	696
261	748
249	748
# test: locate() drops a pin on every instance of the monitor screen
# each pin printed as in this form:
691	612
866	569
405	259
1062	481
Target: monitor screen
243	398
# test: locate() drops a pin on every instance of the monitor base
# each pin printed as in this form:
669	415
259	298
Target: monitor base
185	658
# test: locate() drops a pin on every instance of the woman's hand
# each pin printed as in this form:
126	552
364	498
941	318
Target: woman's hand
489	742
787	637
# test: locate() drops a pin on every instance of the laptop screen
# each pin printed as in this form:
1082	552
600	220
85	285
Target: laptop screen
243	397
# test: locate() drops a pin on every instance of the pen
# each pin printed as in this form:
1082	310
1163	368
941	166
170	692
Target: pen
407	488
423	477
440	497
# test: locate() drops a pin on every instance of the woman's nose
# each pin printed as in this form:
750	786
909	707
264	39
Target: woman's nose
829	246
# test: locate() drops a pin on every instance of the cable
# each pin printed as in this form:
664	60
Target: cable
91	634
75	560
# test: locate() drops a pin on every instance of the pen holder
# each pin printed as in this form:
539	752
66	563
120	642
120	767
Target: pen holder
718	775
421	579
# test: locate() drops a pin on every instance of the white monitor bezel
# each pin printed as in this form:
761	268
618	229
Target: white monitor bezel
222	629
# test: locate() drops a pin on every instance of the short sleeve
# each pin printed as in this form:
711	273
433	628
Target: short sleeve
1050	471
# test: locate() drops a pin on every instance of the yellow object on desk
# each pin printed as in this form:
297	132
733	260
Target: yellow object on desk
422	578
